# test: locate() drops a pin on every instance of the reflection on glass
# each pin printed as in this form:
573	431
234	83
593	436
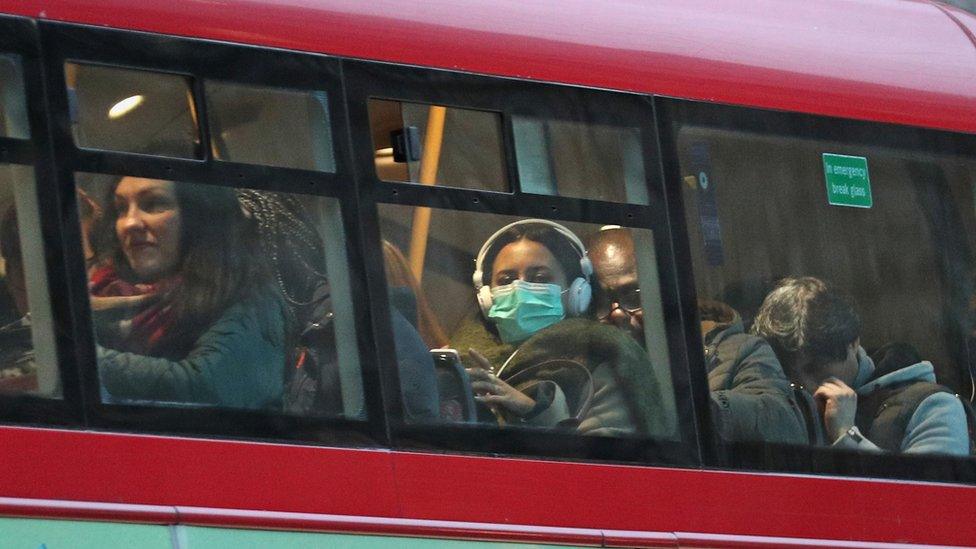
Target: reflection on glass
270	126
581	160
13	103
131	110
524	341
872	301
214	296
437	145
28	361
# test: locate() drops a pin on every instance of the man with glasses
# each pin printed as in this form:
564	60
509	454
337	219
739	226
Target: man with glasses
751	397
617	299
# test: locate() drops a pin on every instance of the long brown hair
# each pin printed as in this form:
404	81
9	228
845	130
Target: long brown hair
217	264
398	275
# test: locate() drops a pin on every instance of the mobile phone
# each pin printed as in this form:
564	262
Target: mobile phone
445	357
454	386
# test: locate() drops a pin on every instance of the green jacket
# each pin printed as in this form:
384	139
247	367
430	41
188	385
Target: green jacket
237	363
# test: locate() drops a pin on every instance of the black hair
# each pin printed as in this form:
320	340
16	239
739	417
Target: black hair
746	296
894	356
565	252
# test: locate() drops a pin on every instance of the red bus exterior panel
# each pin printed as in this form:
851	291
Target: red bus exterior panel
77	510
154	470
902	62
202	477
632	498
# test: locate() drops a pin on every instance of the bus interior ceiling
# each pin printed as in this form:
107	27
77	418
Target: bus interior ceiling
131	110
907	261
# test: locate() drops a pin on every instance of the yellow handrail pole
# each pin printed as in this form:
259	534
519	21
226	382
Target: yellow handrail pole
192	107
71	75
429	161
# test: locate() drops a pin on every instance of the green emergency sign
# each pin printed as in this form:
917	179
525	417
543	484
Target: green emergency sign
848	182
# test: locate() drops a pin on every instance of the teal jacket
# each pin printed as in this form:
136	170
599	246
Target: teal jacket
237	363
935	425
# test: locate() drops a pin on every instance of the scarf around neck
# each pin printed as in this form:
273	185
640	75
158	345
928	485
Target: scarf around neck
145	328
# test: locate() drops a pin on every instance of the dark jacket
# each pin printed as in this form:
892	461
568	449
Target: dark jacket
751	397
315	388
626	394
237	363
418	381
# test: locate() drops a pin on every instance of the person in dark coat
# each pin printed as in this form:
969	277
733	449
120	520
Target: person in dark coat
751	397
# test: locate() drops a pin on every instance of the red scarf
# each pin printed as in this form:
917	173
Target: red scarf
152	323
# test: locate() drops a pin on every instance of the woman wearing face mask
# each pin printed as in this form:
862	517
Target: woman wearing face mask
532	282
183	310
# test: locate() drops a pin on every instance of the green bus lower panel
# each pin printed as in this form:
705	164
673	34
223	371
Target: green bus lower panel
192	537
18	533
21	533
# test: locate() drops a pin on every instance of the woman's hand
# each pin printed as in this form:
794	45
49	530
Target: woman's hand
491	390
112	303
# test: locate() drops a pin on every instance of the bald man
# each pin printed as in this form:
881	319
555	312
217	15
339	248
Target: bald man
617	290
751	397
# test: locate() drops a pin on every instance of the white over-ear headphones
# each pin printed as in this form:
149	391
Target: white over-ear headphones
579	292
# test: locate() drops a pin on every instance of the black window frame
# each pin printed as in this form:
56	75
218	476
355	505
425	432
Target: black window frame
203	60
21	37
43	48
783	458
509	97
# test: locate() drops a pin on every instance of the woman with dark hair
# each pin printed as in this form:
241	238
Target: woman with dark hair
538	365
184	313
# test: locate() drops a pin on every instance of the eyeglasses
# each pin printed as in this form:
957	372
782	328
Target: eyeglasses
628	300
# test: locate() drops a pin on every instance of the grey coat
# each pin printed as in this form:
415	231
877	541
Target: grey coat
751	397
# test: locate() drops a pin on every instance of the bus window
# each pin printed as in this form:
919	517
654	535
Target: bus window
274	127
28	362
854	261
132	110
516	322
438	145
215	296
581	160
13	107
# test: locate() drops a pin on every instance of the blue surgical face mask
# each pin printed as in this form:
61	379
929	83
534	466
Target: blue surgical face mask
520	309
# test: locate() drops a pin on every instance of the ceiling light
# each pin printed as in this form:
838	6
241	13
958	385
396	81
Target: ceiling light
123	107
